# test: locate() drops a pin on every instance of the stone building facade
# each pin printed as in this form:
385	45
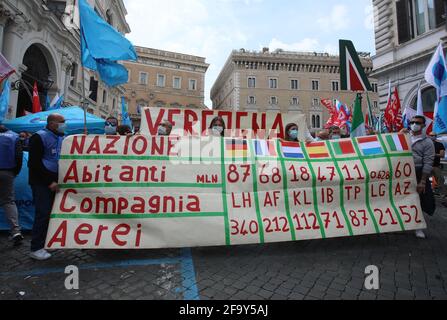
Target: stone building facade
283	81
164	79
407	33
37	43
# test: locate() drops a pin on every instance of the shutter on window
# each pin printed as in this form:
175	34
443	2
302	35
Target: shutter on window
440	12
403	21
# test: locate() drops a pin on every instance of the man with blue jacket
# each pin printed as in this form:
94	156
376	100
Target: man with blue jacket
11	157
44	153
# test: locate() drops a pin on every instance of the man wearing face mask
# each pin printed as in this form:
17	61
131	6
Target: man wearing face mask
44	153
424	156
111	127
165	128
335	133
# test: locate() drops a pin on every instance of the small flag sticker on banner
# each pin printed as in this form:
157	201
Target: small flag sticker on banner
317	150
237	148
265	148
292	150
398	142
344	148
370	146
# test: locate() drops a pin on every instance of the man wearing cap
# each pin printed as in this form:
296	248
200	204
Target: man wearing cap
11	156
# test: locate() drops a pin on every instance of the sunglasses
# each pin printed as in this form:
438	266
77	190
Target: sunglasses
413	122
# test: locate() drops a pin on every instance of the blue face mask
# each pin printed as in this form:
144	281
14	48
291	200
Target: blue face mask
110	130
293	134
62	127
336	137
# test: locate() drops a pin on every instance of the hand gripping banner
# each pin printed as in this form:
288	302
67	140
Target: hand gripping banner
147	192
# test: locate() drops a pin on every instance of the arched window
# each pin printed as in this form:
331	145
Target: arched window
428	100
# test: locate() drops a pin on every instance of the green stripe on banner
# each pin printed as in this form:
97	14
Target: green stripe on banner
391	142
286	191
390	164
314	186
224	192
138	185
135	216
255	191
342	192
337	149
367	185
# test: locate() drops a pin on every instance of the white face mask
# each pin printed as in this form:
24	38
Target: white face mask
416	127
218	130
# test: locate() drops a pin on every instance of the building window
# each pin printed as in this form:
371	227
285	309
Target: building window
113	104
273	100
143	78
335	86
295	101
315	85
273	83
161	80
177	83
74	75
316	102
294	84
416	17
428	100
192	85
375	87
93	88
376	105
316	121
104	96
252	82
251	100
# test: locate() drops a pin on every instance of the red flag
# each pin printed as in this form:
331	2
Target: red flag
36	100
393	113
332	111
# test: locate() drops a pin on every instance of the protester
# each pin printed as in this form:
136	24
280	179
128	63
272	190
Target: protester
292	131
335	133
217	127
11	157
111	126
124	130
45	148
437	170
323	135
424	157
165	128
24	139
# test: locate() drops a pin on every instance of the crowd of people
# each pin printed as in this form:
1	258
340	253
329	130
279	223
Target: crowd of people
44	149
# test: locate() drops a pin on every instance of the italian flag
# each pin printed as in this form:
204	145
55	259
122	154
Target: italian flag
398	142
358	120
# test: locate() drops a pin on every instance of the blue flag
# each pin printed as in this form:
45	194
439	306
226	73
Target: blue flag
125	114
4	100
58	104
440	126
47	103
102	46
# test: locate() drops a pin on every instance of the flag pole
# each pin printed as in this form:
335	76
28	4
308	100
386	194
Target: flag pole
84	101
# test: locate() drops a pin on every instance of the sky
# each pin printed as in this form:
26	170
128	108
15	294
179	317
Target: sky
213	28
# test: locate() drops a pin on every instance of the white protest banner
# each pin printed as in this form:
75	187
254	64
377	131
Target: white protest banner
196	122
146	192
